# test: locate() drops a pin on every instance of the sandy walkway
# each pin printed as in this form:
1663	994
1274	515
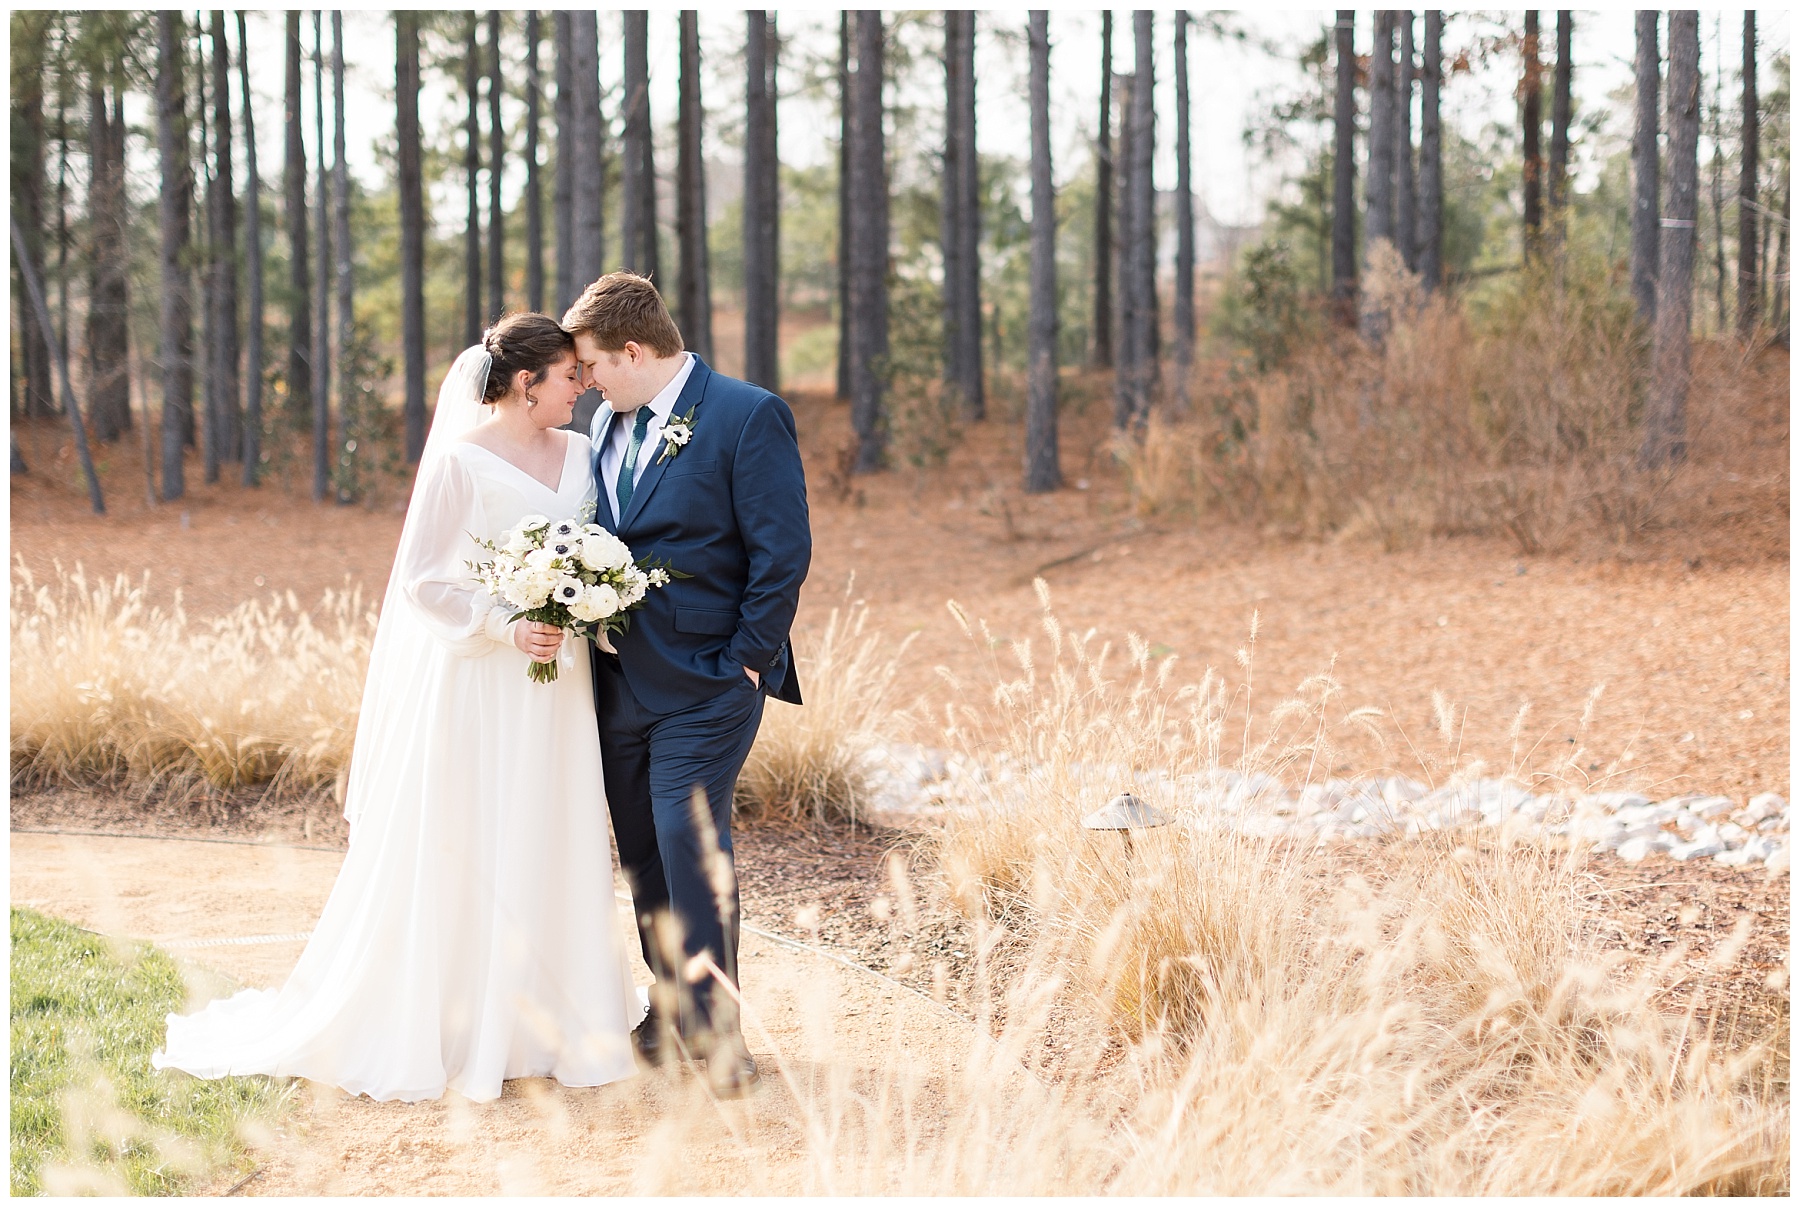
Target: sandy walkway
832	1042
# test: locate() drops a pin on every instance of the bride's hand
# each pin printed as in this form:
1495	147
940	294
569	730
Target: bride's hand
539	641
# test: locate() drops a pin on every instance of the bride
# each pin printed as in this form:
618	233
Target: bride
471	935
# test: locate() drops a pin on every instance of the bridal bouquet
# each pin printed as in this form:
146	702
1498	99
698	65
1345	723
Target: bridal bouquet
570	573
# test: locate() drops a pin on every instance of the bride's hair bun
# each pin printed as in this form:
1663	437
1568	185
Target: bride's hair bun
531	342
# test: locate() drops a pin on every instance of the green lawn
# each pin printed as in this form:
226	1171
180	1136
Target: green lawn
89	1114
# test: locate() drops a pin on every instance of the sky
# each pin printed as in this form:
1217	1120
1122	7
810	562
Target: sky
1230	81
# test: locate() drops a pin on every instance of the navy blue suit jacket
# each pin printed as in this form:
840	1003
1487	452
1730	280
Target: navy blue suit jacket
728	508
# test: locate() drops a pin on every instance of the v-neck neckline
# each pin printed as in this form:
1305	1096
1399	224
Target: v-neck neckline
562	473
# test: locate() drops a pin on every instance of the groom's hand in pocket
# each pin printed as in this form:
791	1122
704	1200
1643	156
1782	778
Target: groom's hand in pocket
755	679
539	641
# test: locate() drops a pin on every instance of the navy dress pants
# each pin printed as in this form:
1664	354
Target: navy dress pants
653	764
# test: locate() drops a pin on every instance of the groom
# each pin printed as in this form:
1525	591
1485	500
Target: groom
703	472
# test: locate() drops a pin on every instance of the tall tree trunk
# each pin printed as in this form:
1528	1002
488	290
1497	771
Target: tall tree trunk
1562	112
1378	223
229	445
1343	170
694	284
35	291
293	186
109	386
1646	234
1749	292
1137	368
340	208
534	188
472	318
496	247
1101	355
639	181
1406	198
960	220
1126	351
846	213
251	449
175	308
590	151
1716	134
1531	94
1665	414
1184	225
412	228
1042	470
1431	155
62	238
321	344
564	198
206	363
762	205
30	32
869	251
1779	317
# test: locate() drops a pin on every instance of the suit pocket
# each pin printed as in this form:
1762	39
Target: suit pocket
682	468
705	620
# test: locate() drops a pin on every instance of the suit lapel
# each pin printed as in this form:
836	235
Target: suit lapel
603	506
690	396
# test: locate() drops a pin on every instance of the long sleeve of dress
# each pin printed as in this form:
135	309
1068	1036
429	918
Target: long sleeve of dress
432	565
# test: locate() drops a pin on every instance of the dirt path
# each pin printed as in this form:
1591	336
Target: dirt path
826	1035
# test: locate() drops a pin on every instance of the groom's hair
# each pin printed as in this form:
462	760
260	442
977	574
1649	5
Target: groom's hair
623	306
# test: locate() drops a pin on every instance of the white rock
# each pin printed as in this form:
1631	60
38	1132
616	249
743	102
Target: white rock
1732	835
1735	859
1612	802
1695	850
1634	850
1773	825
1398	790
1709	807
1778	859
1765	804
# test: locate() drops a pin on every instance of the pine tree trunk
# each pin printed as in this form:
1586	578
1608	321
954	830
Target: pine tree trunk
1126	352
1531	88
1378	222
472	324
412	229
1343	171
29	33
534	188
564	189
229	446
1137	366
34	288
1042	470
109	412
496	247
1184	225
1749	291
960	220
590	150
1562	112
321	344
845	212
1101	355
1646	235
1431	155
1665	412
175	308
293	187
869	252
253	274
694	283
1406	198
762	225
639	182
340	208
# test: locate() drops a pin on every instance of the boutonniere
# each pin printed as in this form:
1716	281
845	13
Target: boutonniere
676	433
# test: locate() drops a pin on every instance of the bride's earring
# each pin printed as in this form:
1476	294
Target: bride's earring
530	401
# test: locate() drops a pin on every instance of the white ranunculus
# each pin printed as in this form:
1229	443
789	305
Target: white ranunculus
603	551
601	600
539	559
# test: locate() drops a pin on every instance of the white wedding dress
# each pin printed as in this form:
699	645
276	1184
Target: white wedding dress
472	935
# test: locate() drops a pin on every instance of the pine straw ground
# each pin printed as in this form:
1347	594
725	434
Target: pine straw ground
1684	629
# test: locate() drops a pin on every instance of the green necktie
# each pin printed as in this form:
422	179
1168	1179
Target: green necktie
628	469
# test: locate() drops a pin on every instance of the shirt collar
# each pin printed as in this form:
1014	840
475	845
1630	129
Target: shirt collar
664	402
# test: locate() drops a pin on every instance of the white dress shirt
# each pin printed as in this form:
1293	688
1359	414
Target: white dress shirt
612	453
